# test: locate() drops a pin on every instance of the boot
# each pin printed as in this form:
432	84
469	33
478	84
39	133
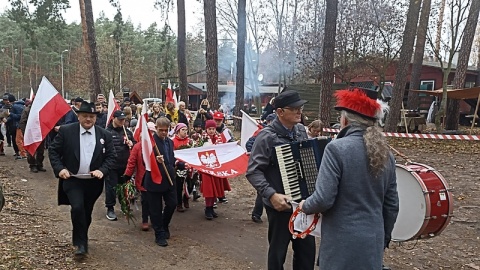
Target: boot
185	203
214	214
209	212
34	169
40	168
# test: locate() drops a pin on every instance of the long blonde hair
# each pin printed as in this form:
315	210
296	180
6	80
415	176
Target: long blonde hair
375	142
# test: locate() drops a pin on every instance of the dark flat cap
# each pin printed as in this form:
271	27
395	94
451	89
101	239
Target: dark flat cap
288	98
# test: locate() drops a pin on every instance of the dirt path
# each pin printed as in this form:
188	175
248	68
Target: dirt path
35	233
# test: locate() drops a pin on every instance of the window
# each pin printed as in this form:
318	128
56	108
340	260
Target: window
427	85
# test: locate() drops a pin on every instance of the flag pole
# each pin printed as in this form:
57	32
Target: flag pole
164	167
126	136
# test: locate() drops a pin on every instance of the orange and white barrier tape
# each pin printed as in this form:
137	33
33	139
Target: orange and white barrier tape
420	136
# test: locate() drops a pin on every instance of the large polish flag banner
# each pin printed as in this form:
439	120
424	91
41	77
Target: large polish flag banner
47	108
220	160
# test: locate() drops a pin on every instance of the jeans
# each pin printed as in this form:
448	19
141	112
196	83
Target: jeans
279	238
114	178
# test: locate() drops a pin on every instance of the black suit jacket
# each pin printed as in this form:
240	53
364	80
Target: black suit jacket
64	153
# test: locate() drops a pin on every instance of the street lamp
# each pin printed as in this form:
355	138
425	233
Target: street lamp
61	60
119	63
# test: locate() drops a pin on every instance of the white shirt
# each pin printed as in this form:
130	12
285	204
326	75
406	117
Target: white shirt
87	146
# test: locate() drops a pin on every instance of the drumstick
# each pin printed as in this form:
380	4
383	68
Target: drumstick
400	154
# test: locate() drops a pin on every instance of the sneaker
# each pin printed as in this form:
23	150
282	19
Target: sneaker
145	227
111	215
215	205
34	169
161	242
19	158
257	219
223	200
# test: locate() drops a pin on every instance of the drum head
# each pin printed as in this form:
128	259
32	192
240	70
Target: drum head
412	203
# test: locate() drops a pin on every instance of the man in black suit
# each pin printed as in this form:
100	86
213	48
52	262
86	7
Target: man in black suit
81	156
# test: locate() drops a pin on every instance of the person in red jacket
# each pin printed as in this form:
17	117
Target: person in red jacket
136	165
181	141
212	187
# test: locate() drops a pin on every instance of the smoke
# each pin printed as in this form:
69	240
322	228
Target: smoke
227	101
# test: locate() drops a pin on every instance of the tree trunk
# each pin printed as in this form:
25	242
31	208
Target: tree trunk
453	107
90	45
240	80
403	65
440	26
326	73
211	52
181	51
413	97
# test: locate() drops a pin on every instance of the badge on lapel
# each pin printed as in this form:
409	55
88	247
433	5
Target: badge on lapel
102	141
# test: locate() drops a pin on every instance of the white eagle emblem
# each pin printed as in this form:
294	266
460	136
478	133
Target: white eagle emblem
209	159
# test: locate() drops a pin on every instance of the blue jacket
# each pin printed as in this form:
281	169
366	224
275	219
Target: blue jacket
15	113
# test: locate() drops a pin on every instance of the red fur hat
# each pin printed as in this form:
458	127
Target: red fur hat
357	101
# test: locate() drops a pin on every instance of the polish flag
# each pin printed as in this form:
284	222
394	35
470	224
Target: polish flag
112	107
48	107
148	154
169	93
175	99
138	127
249	127
226	135
220	160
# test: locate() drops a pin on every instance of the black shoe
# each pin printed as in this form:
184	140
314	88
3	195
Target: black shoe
214	214
34	169
166	233
257	219
111	214
386	267
208	212
161	242
81	251
2	153
223	200
9	145
41	169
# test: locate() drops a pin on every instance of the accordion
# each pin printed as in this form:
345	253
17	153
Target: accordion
298	163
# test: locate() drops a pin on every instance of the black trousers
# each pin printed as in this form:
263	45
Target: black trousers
279	238
37	159
258	208
160	221
82	194
114	178
145	208
179	182
11	138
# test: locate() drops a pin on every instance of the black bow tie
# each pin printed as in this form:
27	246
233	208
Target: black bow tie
86	132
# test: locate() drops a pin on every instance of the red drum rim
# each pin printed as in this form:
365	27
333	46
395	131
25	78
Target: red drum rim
310	228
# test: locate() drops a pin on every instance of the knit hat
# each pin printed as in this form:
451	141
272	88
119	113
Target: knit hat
360	101
179	126
210	123
197	123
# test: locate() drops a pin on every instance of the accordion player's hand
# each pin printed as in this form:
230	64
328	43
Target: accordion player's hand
280	202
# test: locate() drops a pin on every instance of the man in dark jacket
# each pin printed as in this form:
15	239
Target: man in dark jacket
35	162
122	141
101	117
81	156
71	116
165	191
13	118
264	175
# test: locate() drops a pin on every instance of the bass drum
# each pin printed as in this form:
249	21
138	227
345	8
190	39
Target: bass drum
426	203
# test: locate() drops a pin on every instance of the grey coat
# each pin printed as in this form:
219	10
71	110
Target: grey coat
359	211
263	171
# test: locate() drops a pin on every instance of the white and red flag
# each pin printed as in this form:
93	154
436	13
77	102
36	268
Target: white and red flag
112	107
48	107
249	127
220	160
138	127
226	135
169	94
148	154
